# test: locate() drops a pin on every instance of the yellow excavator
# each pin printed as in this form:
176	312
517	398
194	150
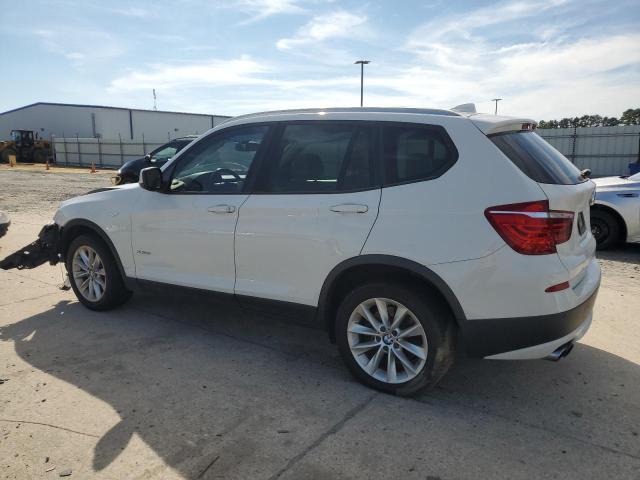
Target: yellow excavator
26	146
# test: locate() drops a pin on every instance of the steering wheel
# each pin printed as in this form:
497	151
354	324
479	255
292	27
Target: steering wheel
227	171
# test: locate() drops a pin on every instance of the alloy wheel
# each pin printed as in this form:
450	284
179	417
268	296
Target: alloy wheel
89	273
387	340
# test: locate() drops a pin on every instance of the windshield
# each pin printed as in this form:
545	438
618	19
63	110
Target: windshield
168	151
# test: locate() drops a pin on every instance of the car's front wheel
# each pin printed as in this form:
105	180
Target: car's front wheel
605	228
94	274
395	338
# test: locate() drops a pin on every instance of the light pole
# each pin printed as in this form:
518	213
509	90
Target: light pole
362	64
496	100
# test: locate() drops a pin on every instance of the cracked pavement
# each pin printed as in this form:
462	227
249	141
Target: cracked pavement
179	386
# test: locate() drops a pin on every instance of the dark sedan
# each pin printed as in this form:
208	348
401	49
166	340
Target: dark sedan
130	171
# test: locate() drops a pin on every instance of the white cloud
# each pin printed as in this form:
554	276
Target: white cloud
134	12
543	80
551	71
454	41
463	24
241	71
260	9
338	24
80	45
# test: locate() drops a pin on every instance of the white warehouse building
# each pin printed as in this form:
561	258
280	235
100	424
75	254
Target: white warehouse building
108	123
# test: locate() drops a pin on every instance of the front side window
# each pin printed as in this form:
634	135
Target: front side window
219	163
415	152
321	157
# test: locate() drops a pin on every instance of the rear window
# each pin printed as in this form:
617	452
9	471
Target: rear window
414	153
537	159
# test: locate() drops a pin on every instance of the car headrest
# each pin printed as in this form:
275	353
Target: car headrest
307	166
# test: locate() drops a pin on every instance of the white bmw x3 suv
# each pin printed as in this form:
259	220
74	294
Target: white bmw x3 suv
398	230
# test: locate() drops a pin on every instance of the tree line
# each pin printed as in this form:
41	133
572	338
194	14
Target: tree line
630	116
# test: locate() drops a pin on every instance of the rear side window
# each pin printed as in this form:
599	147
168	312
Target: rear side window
415	152
537	159
322	157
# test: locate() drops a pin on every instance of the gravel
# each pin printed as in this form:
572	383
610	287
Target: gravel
33	191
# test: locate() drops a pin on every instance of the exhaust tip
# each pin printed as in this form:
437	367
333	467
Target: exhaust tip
560	352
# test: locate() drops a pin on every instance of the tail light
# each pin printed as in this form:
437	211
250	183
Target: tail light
531	228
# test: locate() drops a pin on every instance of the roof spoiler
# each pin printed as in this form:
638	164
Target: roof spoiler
465	108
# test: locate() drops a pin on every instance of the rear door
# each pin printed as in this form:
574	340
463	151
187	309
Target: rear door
565	188
314	204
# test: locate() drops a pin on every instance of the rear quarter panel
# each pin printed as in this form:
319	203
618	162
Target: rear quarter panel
442	220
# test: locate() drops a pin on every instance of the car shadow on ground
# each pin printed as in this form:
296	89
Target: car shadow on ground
206	379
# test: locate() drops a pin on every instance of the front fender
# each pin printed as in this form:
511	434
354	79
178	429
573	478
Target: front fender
107	214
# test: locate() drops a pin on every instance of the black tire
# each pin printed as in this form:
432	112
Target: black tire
39	156
8	151
115	292
435	319
127	177
606	229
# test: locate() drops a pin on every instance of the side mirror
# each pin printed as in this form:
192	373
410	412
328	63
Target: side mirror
148	158
151	178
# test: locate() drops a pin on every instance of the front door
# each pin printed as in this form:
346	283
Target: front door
185	235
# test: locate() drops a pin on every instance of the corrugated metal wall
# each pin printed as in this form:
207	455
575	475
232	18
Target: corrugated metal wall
109	123
604	150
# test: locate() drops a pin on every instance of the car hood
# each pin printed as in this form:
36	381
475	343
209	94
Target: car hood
609	183
136	163
111	190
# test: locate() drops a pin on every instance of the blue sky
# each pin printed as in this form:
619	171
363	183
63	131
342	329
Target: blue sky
546	58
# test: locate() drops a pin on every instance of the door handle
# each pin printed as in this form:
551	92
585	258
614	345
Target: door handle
221	209
349	208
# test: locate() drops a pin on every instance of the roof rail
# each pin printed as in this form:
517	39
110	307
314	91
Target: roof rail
417	111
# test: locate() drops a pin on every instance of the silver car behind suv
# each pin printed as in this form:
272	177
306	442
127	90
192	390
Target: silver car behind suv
615	215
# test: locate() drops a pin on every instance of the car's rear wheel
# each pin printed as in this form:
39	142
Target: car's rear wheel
94	274
39	155
395	338
605	228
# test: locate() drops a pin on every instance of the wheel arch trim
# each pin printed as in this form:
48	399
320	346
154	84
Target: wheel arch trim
95	229
409	266
611	208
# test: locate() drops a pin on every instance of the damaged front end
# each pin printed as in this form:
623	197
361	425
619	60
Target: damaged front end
46	248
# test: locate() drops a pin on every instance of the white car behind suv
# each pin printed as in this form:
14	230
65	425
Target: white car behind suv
397	230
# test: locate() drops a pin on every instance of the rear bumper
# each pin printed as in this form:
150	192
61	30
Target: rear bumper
527	337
